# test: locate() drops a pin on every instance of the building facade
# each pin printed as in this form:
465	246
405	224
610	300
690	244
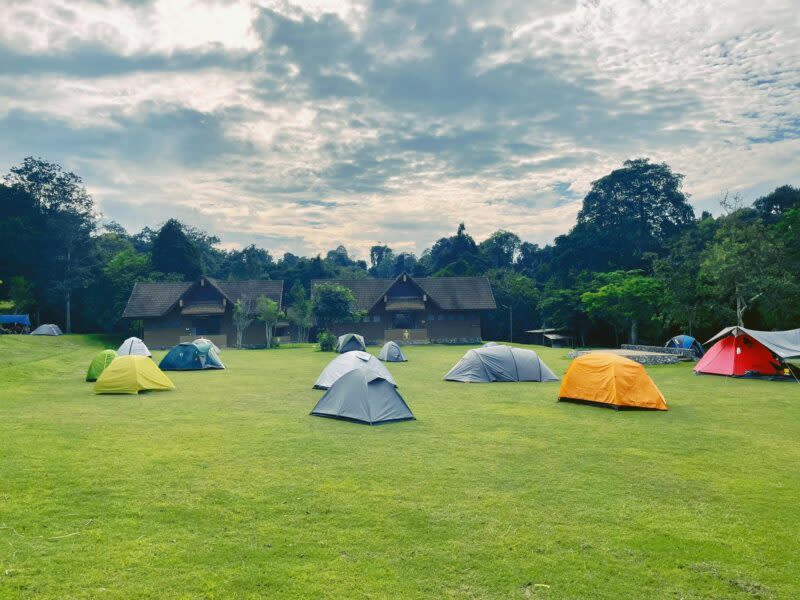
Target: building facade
181	312
417	309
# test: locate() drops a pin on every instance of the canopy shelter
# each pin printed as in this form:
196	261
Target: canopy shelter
133	345
130	375
348	361
364	397
23	320
203	343
349	342
610	380
741	352
99	364
48	329
500	363
188	356
686	342
391	352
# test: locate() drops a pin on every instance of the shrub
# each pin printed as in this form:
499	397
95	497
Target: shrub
327	341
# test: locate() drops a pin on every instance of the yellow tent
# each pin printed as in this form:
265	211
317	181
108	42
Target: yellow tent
610	380
130	375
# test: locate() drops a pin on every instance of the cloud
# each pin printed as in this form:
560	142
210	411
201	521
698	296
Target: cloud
302	125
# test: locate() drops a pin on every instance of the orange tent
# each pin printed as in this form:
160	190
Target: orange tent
610	380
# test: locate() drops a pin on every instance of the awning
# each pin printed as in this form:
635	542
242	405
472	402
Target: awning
15	320
785	344
557	336
203	309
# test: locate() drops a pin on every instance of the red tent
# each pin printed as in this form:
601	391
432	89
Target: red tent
738	351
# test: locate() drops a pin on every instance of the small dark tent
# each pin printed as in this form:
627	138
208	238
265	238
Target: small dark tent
48	329
500	363
687	342
363	397
350	342
391	352
189	357
741	352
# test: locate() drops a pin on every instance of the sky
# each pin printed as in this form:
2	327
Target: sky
300	125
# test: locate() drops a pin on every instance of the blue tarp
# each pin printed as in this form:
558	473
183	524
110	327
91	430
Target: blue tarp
15	320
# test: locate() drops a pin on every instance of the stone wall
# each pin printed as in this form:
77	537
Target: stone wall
683	352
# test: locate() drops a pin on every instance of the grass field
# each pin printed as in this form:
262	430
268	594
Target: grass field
226	487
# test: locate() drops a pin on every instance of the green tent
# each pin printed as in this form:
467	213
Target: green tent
99	363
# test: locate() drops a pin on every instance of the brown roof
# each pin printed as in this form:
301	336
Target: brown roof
449	293
156	299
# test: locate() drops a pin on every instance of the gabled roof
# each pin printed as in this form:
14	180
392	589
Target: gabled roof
156	299
449	293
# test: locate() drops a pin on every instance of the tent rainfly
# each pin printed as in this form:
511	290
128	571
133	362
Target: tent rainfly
130	375
203	343
500	363
48	329
187	356
363	397
99	363
133	345
348	361
349	342
687	342
741	352
490	344
606	379
391	352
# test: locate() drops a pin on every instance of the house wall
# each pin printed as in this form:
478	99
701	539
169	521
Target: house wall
166	331
454	328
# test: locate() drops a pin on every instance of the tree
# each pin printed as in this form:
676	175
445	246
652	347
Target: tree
21	294
624	299
67	210
299	312
269	313
381	260
516	293
777	202
174	252
500	249
243	315
333	303
627	215
249	263
460	247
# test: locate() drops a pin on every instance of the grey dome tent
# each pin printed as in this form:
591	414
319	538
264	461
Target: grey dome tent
135	346
391	352
348	361
188	356
349	342
490	344
363	397
48	329
203	343
500	363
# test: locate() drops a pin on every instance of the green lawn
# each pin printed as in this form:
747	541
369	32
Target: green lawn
226	487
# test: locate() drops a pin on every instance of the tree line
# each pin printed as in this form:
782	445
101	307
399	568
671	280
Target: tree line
638	265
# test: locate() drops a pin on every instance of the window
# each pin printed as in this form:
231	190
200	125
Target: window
440	317
365	319
460	316
376	318
451	317
431	317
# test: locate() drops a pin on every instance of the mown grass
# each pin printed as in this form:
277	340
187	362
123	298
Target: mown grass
226	487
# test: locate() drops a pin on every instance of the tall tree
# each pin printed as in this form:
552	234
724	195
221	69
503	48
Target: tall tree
268	312
174	252
333	303
459	247
500	250
777	202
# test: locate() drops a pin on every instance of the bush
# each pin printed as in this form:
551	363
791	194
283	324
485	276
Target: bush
327	341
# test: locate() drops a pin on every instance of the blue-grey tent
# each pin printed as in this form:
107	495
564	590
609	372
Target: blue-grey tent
687	342
391	352
350	342
363	397
189	357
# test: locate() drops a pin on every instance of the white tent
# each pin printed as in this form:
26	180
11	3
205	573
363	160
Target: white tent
48	329
133	345
344	363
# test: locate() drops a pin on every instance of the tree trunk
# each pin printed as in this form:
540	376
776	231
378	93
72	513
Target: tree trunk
239	337
741	306
268	334
635	331
68	312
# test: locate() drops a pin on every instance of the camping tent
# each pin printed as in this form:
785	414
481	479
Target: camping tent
500	363
347	362
48	329
133	345
364	397
391	352
687	342
99	363
187	356
490	344
131	375
610	380
349	342
738	352
203	343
